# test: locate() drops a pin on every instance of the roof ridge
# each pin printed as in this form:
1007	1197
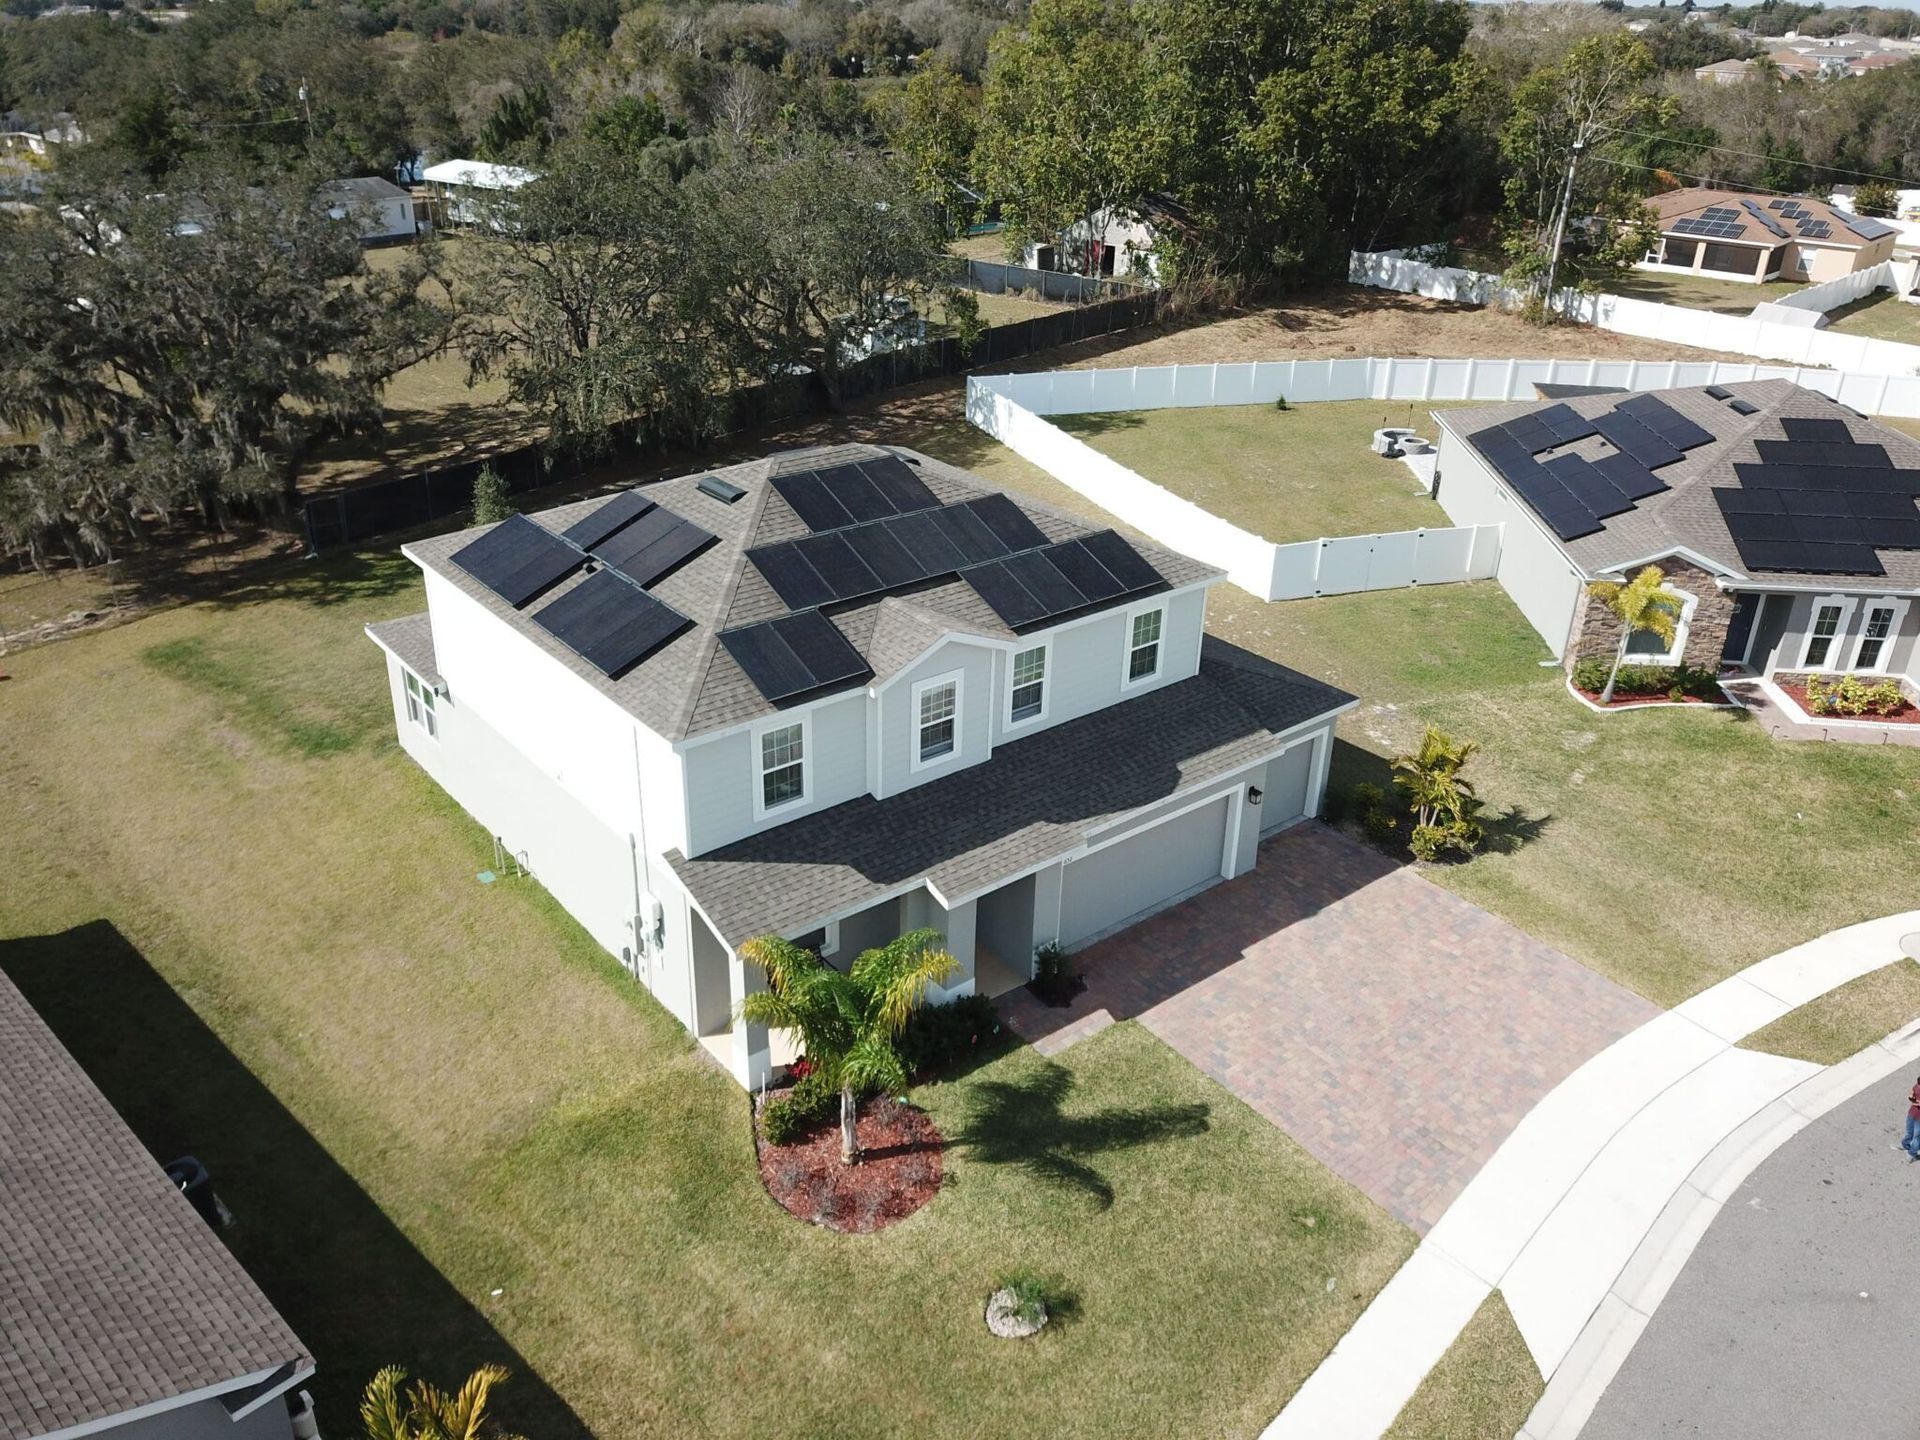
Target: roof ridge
710	635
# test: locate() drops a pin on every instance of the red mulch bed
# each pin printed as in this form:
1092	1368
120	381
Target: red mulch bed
1907	714
899	1169
1634	702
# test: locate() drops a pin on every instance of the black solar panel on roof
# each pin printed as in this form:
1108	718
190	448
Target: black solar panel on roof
818	644
895	480
1864	226
1765	219
797	583
1823	432
923	540
1629	476
1037	587
1744	407
1008	522
1716	393
857	495
1627	435
610	623
1666	422
968	533
1566	425
589	530
647	551
1588	485
890	561
725	491
839	566
518	560
769	662
811	500
1823	454
1816	229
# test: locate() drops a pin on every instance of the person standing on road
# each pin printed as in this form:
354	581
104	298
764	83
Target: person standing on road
1912	1143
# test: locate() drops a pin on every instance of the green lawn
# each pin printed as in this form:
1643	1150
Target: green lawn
1286	475
1699	292
1845	1021
453	1130
1484	1387
1881	315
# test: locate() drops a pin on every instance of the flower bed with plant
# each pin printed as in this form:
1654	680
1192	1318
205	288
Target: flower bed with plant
1849	697
1432	811
1644	684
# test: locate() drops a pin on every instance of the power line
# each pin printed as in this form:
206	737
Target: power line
1709	179
1753	155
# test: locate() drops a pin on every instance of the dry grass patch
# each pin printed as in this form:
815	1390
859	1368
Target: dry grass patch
1845	1021
1700	292
1484	1387
1882	315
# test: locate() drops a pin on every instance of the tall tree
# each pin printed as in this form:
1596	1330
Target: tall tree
848	1021
934	127
189	347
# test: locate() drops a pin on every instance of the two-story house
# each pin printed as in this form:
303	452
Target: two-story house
835	695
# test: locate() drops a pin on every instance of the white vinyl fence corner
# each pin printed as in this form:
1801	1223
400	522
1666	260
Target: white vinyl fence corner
1676	324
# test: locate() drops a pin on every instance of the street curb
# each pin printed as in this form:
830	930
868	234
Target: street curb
1615	1328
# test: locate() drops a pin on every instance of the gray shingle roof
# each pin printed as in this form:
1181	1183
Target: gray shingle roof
1686	514
114	1294
1036	799
692	685
411	638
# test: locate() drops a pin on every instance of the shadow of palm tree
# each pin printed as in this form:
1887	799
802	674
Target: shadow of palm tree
1023	1123
1513	828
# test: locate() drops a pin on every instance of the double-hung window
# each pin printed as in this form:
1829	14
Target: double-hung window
783	766
1876	633
1027	695
420	704
1827	617
937	710
1143	645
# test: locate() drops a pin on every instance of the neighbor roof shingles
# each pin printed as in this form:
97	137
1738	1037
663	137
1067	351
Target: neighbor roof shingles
691	685
1035	800
1685	515
114	1294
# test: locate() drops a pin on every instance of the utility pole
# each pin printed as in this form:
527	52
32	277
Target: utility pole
306	104
1560	223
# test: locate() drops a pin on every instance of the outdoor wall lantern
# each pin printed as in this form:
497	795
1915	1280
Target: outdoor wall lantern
1253	794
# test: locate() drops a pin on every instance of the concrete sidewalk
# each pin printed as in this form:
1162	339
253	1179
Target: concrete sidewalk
1554	1218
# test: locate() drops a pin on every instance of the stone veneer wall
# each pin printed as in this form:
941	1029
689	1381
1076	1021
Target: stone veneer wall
1597	632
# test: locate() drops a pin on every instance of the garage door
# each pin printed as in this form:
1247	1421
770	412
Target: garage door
1286	787
1139	875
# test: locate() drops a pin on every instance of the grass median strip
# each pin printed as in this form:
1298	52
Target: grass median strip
1484	1387
1846	1020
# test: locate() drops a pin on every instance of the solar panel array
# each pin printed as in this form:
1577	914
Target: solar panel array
608	619
610	622
1041	587
1805	222
1864	226
895	552
854	493
1820	502
1573	494
795	655
1716	222
1765	219
518	560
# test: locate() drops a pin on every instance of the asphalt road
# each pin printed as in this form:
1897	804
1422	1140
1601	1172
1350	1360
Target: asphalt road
1798	1316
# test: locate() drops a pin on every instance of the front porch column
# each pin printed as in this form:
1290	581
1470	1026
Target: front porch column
958	925
751	1060
1046	905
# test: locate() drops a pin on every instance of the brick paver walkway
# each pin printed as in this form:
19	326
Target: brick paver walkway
1393	1029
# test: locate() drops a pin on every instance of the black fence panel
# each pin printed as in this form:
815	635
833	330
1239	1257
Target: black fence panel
407	501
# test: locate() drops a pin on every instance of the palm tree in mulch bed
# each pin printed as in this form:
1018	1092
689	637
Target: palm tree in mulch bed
849	1022
1643	603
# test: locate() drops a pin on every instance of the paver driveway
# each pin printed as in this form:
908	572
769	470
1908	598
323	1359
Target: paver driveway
1393	1029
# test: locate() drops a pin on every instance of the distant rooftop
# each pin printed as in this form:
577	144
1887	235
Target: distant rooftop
478	175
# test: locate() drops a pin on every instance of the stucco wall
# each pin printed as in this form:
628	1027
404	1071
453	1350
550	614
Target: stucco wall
1540	580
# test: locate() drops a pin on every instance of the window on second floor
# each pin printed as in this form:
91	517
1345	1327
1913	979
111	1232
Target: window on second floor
1143	645
937	714
1027	692
783	767
420	704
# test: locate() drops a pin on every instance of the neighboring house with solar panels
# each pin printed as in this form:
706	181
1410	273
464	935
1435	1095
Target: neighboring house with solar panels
1727	235
1788	522
122	1314
837	695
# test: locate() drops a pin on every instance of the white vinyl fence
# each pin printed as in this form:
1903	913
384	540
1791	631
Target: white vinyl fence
1010	408
1392	270
1832	294
1334	565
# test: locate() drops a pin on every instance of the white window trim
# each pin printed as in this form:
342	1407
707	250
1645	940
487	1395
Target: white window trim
761	810
1867	607
1039	717
1846	604
1127	680
1674	652
426	706
958	679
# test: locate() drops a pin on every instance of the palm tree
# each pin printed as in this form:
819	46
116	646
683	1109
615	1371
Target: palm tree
1430	778
848	1022
426	1412
1643	603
